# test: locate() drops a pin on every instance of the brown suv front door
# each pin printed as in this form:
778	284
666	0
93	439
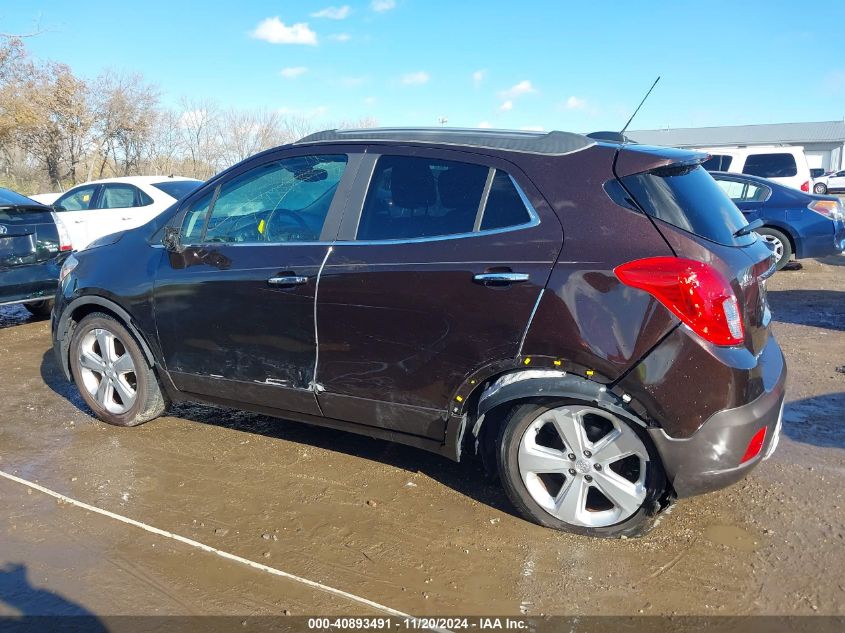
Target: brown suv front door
440	262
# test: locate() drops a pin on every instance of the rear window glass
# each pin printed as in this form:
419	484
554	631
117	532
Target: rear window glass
177	188
7	196
687	197
718	162
770	165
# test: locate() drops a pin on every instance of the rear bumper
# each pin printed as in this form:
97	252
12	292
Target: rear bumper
31	281
710	458
822	245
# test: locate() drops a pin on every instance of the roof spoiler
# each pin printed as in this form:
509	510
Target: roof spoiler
616	137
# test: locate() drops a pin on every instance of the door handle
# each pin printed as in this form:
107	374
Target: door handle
501	278
287	280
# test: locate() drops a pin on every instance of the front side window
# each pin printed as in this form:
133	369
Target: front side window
413	197
78	199
282	201
770	165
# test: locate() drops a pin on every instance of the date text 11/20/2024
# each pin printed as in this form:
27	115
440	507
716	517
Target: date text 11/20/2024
427	623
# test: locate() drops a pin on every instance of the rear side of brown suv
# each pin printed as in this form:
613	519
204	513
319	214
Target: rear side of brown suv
589	317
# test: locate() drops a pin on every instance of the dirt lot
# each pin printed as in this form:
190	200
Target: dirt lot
391	524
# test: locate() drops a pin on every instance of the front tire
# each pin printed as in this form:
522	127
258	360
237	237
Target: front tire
112	374
779	243
820	187
577	468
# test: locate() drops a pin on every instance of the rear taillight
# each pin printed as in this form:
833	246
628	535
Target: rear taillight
831	209
806	187
64	236
754	446
695	292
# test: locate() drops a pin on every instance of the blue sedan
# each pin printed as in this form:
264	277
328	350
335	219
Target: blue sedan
793	222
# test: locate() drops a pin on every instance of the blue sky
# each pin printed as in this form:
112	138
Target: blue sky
577	66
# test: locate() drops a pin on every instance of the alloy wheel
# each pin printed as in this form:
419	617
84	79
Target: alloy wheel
107	371
583	466
775	244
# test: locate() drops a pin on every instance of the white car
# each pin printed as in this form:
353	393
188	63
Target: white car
830	183
46	198
785	165
101	207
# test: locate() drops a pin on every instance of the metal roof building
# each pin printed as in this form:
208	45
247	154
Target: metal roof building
823	141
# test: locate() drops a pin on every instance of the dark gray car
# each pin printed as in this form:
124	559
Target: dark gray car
33	245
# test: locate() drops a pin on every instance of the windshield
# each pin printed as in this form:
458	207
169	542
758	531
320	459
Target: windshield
177	188
687	197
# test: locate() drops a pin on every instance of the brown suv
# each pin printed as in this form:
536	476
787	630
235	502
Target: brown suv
588	316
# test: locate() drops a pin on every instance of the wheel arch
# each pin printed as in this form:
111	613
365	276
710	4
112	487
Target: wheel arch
488	404
81	307
782	228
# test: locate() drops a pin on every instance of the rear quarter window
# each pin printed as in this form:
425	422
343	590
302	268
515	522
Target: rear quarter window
770	165
687	197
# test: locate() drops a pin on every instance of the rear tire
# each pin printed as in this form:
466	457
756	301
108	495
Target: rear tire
40	309
820	187
112	374
780	244
605	479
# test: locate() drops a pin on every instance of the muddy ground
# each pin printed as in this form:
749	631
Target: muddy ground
392	524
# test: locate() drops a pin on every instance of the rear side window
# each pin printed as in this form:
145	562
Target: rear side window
718	162
744	191
412	197
117	196
687	197
770	165
504	205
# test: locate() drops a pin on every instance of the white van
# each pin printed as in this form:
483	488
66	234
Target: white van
785	165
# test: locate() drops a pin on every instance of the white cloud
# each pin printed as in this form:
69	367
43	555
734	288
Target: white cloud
532	128
507	105
484	125
524	87
576	103
275	31
478	76
383	5
340	37
370	100
293	72
333	13
416	79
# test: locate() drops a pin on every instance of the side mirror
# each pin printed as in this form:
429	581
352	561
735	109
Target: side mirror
170	241
58	207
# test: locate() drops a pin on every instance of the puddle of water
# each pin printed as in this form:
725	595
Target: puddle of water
731	536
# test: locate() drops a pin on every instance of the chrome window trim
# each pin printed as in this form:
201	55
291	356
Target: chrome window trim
532	212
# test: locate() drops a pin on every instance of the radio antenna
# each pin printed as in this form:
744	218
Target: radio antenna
641	105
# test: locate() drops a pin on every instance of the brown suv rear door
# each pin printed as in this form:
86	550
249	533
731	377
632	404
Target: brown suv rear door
441	259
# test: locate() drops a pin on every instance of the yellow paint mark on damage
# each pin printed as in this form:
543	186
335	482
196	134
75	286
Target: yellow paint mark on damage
558	363
261	226
459	398
527	361
590	372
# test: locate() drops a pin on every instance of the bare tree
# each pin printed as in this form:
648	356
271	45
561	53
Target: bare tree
126	110
199	125
53	120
